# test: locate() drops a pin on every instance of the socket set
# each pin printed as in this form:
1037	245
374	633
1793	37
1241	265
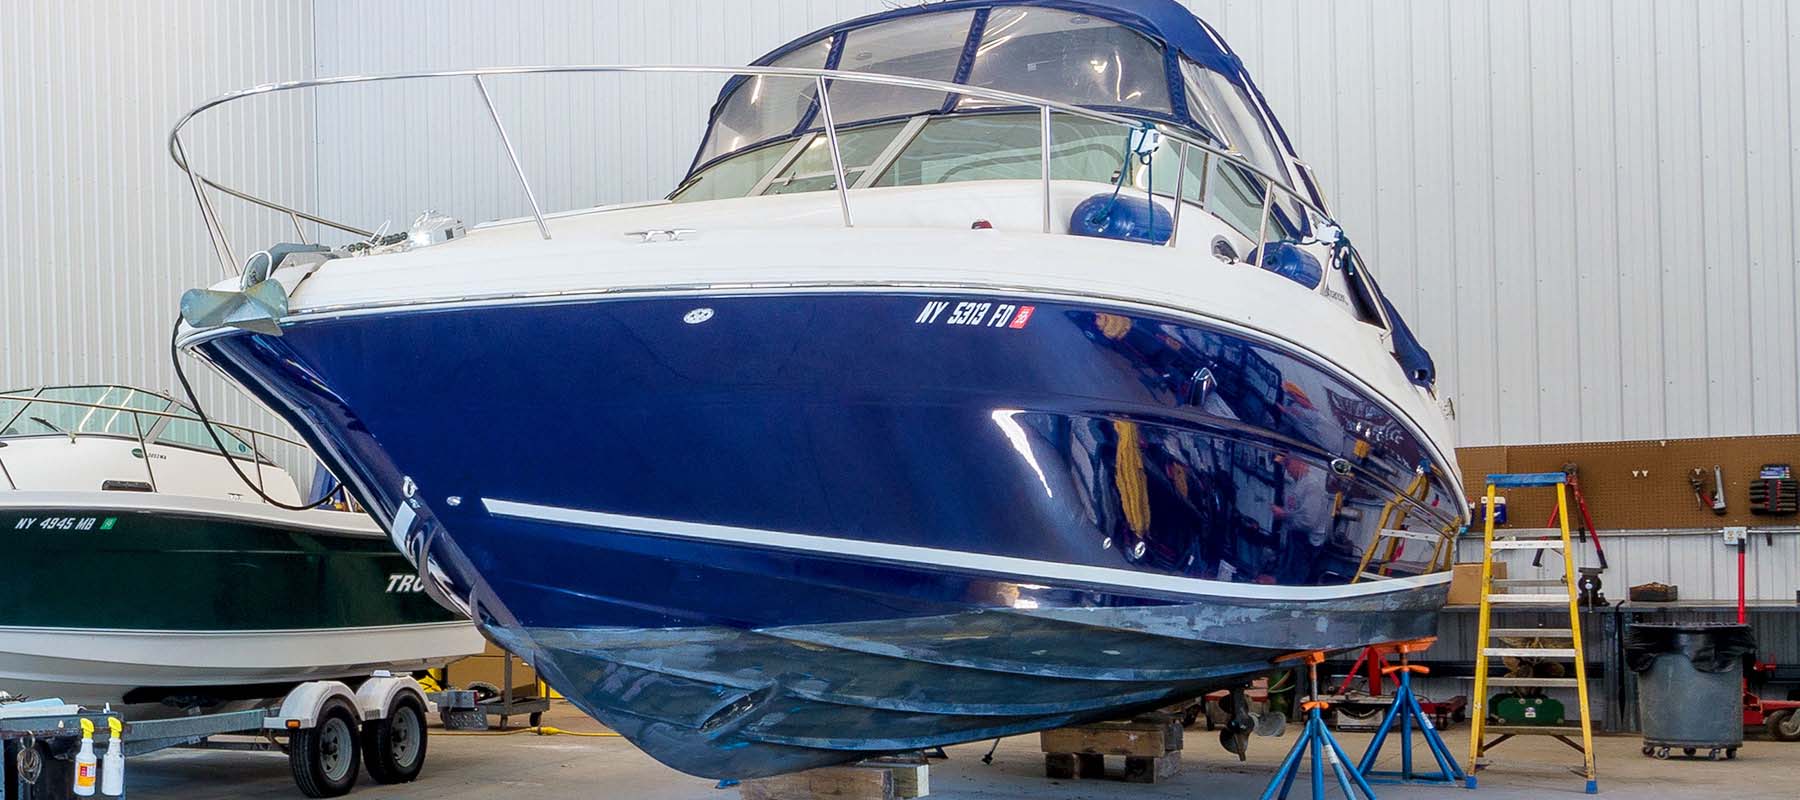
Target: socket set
1775	492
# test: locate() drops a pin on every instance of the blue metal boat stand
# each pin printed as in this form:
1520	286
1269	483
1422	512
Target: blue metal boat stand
1316	740
1407	711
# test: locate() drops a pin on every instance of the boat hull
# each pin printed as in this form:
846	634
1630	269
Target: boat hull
766	531
155	604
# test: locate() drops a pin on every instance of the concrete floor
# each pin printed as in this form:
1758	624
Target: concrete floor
528	766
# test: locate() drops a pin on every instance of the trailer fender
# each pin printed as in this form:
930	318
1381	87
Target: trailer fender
376	695
302	706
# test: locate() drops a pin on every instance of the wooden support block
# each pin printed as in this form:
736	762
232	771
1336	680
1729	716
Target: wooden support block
911	772
910	780
1150	744
1072	766
1147	739
844	783
1151	770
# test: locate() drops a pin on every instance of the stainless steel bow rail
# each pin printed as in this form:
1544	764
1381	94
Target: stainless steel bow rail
820	82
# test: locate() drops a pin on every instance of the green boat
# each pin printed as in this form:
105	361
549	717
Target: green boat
141	571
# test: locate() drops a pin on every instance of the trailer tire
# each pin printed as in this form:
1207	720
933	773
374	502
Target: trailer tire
394	747
324	757
1784	725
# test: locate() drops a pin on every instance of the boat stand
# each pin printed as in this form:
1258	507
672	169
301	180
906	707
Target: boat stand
1407	711
1317	741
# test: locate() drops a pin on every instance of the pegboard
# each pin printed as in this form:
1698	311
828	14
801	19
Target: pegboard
1635	485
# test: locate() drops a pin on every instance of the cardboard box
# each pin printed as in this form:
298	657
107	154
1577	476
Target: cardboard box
491	669
1465	582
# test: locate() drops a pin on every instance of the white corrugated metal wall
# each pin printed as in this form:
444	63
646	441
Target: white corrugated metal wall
1587	209
98	232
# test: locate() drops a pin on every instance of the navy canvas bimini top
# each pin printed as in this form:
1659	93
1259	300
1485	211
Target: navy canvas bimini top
1168	25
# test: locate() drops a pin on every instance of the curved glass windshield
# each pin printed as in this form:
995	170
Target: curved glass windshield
1006	147
812	170
106	410
77	413
1002	145
735	176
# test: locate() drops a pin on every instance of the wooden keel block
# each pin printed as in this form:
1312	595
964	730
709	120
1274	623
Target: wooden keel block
1146	737
840	783
1150	746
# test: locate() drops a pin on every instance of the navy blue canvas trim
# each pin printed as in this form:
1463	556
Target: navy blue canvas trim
832	59
1165	21
1408	350
966	64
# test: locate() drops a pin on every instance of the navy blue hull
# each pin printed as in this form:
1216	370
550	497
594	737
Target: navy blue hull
762	532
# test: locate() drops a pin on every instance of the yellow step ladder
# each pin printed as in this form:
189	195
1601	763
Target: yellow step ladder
1486	649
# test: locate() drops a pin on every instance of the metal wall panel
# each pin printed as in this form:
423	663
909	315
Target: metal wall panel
1586	208
98	229
1699	562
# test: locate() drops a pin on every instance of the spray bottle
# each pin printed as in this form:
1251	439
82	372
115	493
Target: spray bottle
85	772
112	766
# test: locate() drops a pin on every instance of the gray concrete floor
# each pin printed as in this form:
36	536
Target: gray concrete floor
531	766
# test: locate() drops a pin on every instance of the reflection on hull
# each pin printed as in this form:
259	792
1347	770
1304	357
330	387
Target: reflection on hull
802	527
728	703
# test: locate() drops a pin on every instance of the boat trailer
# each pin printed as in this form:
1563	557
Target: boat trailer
329	731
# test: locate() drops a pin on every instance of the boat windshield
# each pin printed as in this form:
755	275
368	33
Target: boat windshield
765	134
936	148
1062	54
108	411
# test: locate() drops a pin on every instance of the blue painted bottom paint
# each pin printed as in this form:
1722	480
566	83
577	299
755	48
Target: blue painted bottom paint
1008	427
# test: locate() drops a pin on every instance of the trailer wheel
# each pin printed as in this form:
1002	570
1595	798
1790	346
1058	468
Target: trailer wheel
1784	725
324	757
394	747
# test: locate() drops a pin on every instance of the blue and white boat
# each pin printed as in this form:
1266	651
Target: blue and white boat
1018	379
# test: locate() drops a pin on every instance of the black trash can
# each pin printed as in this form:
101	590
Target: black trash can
1690	685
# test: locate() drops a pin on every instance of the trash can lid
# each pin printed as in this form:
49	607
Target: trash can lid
1711	646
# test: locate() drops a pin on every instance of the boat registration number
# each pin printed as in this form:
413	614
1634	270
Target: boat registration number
64	523
975	314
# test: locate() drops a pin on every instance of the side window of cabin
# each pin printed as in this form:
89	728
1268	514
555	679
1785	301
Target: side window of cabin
764	107
188	432
1068	57
928	46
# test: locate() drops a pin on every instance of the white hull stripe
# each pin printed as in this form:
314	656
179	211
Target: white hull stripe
1023	569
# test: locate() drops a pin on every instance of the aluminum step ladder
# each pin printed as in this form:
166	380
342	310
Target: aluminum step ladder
1567	600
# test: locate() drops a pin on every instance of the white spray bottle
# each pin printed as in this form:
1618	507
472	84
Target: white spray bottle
112	765
85	766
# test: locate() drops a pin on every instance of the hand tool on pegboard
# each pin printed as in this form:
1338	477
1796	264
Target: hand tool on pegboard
1697	482
1775	491
1587	520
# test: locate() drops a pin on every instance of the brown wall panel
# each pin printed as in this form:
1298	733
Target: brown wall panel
1636	485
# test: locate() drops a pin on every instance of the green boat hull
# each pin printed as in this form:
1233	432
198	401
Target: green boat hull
150	601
